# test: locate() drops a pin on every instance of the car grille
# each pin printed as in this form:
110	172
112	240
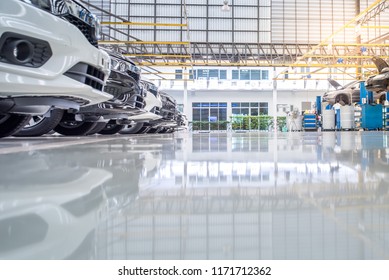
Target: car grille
135	76
113	90
137	101
156	110
86	29
87	75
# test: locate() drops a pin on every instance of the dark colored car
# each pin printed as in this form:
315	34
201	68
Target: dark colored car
379	83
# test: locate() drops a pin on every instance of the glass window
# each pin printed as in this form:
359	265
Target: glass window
265	74
223	75
214	112
235	74
202	74
192	74
196	114
222	113
250	108
236	111
179	74
255	75
209	112
245	74
263	108
254	112
214	73
204	114
244	111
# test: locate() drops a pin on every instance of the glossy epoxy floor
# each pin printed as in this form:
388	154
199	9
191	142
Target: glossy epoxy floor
300	195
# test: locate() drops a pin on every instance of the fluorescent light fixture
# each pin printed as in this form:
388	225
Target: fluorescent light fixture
225	7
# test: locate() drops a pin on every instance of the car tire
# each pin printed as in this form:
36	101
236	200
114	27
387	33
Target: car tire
143	130
69	127
155	130
382	99
111	128
342	99
39	125
132	129
99	126
12	123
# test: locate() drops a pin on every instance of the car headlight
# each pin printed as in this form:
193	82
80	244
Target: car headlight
41	4
135	69
124	66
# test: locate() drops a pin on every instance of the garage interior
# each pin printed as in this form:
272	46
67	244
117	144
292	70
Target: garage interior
265	169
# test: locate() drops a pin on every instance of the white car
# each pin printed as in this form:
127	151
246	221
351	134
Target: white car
48	59
153	103
153	107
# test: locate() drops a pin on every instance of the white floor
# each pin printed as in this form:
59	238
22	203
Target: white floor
300	195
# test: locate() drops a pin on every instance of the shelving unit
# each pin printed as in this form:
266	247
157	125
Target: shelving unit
385	114
309	121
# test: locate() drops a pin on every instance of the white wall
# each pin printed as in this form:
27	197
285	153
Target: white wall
290	97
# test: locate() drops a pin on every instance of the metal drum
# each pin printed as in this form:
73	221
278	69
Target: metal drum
328	119
347	117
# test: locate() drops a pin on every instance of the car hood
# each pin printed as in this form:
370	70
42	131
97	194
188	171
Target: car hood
379	63
335	84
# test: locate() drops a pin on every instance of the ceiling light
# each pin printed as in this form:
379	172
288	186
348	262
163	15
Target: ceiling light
225	7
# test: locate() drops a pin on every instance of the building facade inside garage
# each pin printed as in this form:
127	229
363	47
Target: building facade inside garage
261	133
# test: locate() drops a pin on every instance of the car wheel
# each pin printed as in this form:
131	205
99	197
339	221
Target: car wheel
155	130
342	99
99	126
132	129
69	127
111	128
143	130
383	99
12	123
39	125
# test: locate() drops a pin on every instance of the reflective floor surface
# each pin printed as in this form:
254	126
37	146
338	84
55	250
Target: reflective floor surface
300	195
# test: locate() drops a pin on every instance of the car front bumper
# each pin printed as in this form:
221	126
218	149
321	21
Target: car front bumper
64	74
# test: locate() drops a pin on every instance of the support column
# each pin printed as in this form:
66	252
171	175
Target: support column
358	70
185	75
275	97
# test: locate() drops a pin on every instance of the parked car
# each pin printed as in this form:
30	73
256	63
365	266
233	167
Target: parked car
48	59
379	83
167	122
110	116
106	117
140	123
345	95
